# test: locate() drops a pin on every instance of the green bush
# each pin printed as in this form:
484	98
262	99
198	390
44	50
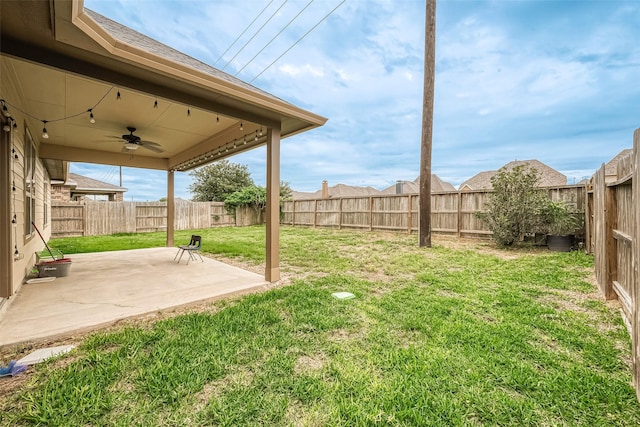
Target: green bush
248	196
514	208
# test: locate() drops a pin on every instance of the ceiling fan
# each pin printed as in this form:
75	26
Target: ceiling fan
133	142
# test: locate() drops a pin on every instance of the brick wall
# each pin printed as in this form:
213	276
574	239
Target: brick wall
60	193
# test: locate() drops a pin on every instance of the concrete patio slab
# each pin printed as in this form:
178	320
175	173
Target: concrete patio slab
105	287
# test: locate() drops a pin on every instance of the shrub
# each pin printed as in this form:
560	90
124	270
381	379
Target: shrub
514	207
248	196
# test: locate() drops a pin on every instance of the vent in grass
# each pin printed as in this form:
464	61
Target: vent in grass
343	295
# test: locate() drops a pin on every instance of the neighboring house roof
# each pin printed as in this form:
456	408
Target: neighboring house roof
338	190
549	177
479	181
611	167
84	184
413	187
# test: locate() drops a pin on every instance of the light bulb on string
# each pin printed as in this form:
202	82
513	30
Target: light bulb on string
45	134
118	95
155	103
260	130
241	126
256	138
217	119
188	111
91	118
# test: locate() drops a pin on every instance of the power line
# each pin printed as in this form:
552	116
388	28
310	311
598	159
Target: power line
255	34
241	34
298	41
275	37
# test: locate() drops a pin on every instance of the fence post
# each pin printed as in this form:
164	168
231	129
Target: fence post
635	335
611	252
340	215
587	220
84	218
315	212
293	213
409	212
370	213
459	223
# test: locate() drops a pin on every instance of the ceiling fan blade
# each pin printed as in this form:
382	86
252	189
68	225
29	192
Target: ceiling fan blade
155	148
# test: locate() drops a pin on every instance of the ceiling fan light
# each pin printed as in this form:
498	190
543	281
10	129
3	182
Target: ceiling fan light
131	146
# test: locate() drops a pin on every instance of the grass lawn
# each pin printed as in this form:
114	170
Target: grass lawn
455	335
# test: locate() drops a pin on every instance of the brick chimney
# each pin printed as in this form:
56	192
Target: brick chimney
325	189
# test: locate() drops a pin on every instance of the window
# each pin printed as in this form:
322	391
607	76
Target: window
29	184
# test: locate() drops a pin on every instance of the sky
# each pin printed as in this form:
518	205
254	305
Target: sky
555	81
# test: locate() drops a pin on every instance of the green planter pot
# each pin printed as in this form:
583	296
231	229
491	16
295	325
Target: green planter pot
560	243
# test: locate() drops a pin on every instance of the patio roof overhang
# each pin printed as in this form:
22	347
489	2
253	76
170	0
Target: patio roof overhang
60	63
67	60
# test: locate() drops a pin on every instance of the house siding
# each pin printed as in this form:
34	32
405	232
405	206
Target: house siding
26	244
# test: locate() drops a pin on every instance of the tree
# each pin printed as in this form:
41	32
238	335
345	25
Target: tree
516	204
216	181
255	196
286	193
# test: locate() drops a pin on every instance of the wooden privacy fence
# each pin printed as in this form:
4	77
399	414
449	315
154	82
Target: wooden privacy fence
451	212
102	218
614	213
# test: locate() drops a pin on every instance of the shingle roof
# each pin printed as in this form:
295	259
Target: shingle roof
147	44
611	168
339	190
548	177
413	187
84	183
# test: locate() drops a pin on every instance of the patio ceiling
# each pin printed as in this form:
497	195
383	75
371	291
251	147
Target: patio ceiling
66	60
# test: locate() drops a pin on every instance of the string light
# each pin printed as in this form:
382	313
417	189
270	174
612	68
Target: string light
260	130
91	118
15	125
6	128
118	95
188	111
155	103
241	127
217	119
256	138
45	135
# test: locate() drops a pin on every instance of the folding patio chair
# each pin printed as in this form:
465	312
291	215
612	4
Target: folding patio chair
194	246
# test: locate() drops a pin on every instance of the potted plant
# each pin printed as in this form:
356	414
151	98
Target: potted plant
560	224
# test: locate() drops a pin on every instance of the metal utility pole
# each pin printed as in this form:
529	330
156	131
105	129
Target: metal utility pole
427	123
